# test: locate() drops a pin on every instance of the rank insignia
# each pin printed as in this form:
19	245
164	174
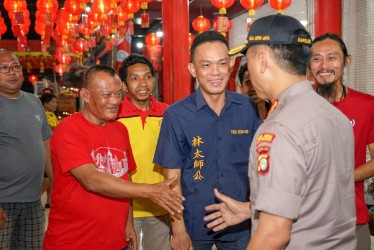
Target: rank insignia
263	160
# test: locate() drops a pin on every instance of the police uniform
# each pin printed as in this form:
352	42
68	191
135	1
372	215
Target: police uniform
301	168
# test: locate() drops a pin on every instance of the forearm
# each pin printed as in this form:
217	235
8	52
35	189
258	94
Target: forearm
364	171
273	233
48	161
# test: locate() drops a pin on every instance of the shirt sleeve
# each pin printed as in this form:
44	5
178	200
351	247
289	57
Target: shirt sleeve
281	171
171	143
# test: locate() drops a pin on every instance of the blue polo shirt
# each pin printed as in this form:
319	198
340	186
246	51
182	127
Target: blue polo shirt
212	152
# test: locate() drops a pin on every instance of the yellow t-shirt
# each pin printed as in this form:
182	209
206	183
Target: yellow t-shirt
144	129
52	119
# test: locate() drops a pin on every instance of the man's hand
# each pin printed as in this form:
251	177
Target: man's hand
3	218
229	212
131	235
163	195
181	241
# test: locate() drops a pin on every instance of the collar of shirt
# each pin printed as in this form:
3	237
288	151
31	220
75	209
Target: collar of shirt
293	90
230	98
127	105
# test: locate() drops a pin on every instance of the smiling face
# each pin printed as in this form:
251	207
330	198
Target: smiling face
327	62
139	83
10	82
248	89
102	98
212	67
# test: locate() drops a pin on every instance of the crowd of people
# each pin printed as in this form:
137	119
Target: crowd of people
280	165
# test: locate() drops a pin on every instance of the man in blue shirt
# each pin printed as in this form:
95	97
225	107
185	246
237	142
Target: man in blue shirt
204	140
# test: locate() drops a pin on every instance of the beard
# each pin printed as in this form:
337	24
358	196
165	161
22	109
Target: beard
327	90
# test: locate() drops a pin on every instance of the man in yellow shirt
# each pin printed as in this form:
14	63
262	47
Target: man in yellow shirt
142	115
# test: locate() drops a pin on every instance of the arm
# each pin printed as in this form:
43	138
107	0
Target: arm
180	240
273	232
228	213
48	161
3	218
366	170
130	229
111	186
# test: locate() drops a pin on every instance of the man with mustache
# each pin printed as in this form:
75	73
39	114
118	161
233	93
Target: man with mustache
329	58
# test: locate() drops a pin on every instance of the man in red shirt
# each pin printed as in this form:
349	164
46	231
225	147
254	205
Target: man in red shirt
92	160
329	58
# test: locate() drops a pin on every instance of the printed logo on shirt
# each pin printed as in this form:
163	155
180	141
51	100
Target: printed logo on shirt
263	160
110	160
38	117
265	137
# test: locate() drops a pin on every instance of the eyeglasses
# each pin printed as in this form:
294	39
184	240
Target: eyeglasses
5	69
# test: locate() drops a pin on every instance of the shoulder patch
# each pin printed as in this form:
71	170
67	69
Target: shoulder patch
265	137
263	160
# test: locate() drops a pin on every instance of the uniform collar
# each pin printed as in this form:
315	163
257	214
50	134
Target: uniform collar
295	89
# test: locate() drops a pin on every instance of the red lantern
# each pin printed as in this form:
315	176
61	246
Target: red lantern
33	79
131	7
222	5
64	58
201	24
60	69
15	5
222	24
80	44
251	5
279	5
191	37
3	28
152	39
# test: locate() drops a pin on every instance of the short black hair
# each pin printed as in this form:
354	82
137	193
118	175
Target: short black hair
49	89
94	69
292	58
241	73
131	60
334	37
207	36
47	98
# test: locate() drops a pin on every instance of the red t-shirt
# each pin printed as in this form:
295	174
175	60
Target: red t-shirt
79	219
359	108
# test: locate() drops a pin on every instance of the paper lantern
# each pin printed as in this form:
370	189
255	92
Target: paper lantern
201	24
222	5
80	44
152	39
279	5
191	37
60	69
33	79
251	5
131	7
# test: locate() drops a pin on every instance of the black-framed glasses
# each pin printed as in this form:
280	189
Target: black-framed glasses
5	69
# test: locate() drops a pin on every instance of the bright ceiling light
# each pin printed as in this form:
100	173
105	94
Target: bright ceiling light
139	45
159	33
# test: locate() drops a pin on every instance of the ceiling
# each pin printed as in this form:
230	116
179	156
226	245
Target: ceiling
196	7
